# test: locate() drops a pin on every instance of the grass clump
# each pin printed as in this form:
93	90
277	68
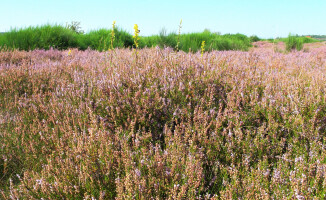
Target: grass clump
101	39
192	42
293	42
168	40
40	37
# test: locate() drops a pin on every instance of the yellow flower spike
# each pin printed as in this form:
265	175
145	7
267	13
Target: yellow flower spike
69	52
136	35
112	34
202	48
136	39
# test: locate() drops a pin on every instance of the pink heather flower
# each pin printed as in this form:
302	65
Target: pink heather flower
138	172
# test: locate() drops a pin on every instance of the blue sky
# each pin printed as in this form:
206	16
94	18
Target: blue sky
264	18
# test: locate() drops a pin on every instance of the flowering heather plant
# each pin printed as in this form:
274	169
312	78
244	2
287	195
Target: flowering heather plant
241	125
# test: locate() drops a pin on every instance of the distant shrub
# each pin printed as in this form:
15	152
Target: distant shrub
254	38
308	39
293	42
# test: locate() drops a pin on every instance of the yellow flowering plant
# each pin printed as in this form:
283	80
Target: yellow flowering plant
136	36
112	34
202	48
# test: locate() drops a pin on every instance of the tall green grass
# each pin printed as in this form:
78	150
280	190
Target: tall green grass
192	41
293	42
101	39
59	37
39	37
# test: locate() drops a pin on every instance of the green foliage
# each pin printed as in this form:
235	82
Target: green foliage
71	36
167	40
149	41
101	40
254	38
40	37
75	26
192	42
308	40
294	42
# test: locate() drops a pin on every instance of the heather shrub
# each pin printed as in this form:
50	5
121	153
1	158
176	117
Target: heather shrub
162	124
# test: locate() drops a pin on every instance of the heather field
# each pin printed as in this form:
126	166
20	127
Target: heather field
160	124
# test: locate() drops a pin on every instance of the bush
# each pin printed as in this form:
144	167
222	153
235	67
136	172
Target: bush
254	38
293	42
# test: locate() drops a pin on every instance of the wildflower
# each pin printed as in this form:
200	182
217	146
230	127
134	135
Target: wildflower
300	197
298	159
136	35
39	181
138	172
267	173
112	34
277	174
202	48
